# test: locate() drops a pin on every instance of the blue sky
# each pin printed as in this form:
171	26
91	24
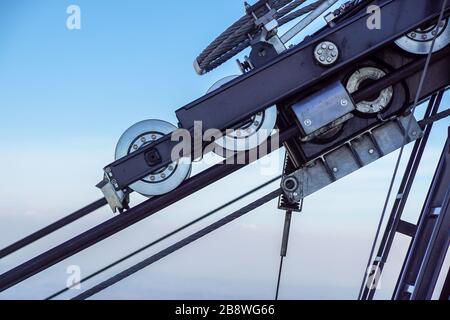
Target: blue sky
67	96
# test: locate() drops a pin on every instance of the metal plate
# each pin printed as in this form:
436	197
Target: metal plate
164	180
350	157
323	107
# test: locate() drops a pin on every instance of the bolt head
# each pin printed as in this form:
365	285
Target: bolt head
308	122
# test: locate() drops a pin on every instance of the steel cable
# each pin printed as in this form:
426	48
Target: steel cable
179	245
134	253
236	38
52	227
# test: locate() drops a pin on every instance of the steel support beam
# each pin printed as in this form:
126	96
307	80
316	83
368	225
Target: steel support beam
429	248
395	224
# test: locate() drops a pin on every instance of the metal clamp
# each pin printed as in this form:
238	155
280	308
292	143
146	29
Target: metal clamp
324	109
114	197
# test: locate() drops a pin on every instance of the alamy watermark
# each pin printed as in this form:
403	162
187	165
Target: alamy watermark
73	281
73	21
197	143
374	20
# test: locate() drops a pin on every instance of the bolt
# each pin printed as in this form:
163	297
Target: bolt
335	170
143	139
344	102
329	59
108	170
114	183
371	151
290	184
308	122
324	46
153	136
413	34
256	123
135	147
262	53
319	52
170	168
322	58
163	175
414	133
152	178
331	47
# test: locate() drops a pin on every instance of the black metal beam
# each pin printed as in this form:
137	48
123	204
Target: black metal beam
292	72
429	248
445	294
394	221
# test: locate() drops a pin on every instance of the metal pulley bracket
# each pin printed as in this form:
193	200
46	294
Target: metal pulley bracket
350	157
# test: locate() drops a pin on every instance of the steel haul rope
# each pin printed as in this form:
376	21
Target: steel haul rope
179	245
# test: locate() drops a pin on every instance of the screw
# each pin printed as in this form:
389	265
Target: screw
344	102
308	122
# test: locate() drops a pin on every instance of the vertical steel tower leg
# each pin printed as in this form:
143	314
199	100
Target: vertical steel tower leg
429	247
